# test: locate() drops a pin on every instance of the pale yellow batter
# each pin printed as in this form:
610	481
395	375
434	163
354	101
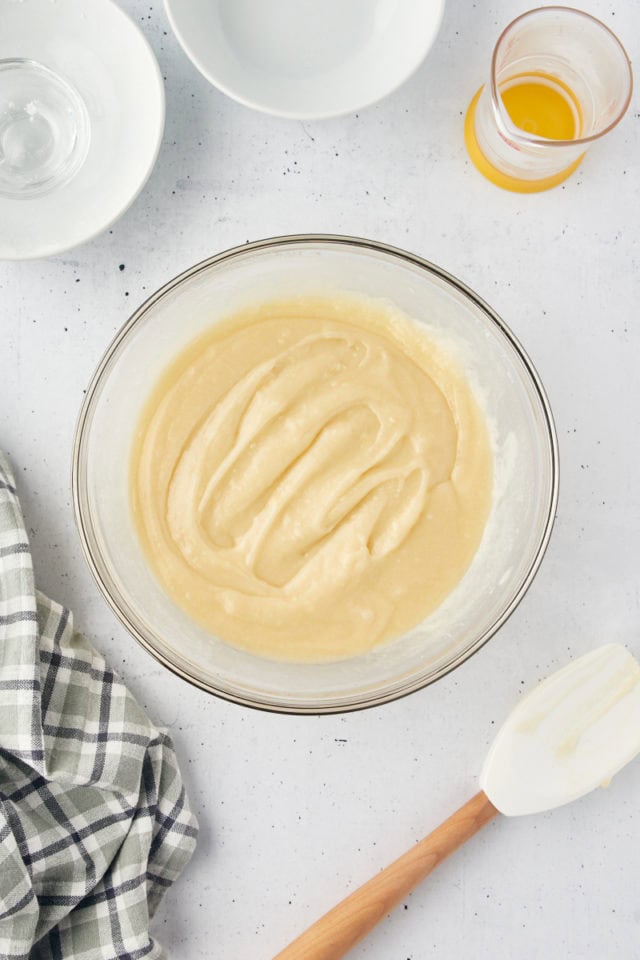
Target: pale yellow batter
311	478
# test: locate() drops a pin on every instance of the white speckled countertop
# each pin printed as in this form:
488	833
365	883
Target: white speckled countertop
295	812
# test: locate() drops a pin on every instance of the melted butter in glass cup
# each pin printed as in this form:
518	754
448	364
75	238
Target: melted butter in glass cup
44	129
560	79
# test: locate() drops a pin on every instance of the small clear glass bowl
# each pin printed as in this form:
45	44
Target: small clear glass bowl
505	383
44	129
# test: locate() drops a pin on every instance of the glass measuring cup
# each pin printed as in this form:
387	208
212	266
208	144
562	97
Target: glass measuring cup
559	80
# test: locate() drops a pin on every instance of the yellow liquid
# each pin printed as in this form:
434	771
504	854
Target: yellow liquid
540	109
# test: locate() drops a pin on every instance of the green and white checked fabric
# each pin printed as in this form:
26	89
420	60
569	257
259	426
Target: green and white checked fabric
94	821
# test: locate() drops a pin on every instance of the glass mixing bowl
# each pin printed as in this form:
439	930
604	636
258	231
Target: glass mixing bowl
504	382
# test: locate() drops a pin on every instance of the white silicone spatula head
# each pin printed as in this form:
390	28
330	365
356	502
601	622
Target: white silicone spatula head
572	733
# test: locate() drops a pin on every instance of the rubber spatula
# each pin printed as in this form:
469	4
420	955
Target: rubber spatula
575	731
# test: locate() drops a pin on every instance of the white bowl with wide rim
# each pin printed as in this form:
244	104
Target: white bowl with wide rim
502	378
101	56
303	59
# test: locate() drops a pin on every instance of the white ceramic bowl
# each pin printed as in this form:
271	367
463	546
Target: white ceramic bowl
93	46
505	383
306	59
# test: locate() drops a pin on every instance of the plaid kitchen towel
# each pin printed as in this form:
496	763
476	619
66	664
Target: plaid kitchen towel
94	822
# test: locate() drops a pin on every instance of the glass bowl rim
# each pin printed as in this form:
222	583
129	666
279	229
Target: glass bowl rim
100	568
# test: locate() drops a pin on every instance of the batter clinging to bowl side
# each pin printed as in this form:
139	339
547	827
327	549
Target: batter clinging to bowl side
311	477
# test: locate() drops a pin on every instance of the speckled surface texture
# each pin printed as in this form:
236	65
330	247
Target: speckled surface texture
296	812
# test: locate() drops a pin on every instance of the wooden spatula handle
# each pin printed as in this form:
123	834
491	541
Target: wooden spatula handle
346	924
